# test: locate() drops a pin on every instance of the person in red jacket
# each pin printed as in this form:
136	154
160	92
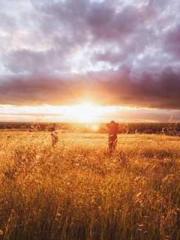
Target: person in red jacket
113	129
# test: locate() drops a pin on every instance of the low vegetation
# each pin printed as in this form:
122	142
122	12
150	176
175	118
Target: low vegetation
77	191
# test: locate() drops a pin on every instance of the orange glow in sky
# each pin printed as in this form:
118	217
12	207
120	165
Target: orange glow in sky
82	112
85	111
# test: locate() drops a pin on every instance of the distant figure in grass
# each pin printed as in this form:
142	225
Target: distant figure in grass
54	136
113	129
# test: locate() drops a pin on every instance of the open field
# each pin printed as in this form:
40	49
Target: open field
76	191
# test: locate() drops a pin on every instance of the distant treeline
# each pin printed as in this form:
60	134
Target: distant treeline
164	128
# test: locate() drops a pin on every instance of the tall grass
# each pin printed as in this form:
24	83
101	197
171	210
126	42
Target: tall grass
76	191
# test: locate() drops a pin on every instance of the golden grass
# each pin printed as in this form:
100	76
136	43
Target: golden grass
76	191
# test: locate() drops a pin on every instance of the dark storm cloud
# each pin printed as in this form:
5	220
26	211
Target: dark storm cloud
158	91
39	90
141	36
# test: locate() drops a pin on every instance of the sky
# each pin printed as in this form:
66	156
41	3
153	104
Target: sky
124	55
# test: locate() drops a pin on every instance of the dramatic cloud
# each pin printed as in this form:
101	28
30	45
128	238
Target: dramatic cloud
158	90
118	51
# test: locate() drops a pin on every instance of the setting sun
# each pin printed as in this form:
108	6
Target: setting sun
86	112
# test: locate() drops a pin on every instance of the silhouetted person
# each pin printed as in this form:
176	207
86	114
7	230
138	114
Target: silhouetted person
54	136
113	129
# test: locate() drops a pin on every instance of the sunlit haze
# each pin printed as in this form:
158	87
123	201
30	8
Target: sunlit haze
85	112
121	55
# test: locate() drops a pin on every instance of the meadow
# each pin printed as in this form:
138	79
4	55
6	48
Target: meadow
76	191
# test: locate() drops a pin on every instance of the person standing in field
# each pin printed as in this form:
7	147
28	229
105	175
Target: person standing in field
113	129
54	136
